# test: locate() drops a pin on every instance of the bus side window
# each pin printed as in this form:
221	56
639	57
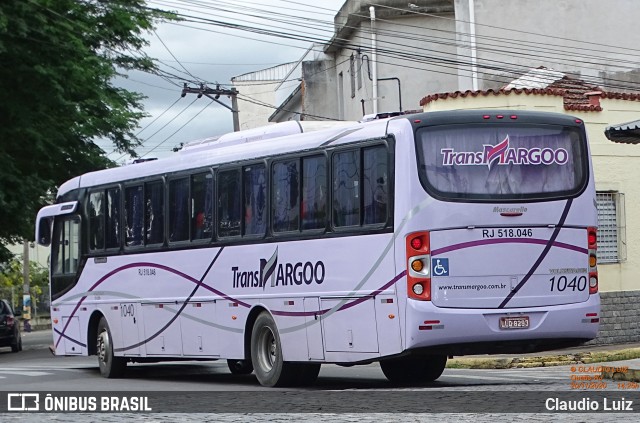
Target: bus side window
112	219
229	203
255	200
154	212
346	189
179	210
202	206
134	215
314	192
375	189
286	196
96	220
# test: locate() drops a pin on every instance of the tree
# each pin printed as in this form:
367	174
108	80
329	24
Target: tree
12	280
59	59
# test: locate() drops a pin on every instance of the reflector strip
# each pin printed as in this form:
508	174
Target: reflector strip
431	327
387	301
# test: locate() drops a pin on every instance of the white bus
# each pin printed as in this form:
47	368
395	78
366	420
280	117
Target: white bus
404	241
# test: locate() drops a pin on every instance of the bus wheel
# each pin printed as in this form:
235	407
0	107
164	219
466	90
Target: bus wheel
414	369
110	365
240	367
266	354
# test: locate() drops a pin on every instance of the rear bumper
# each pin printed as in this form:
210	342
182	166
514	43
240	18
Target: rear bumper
476	331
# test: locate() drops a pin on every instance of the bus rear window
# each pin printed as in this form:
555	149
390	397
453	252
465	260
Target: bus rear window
501	163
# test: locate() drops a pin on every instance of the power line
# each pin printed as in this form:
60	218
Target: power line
161	128
176	59
179	129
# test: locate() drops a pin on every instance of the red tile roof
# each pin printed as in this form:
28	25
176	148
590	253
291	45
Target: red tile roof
576	94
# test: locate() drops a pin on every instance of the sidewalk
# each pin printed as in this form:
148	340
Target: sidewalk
618	361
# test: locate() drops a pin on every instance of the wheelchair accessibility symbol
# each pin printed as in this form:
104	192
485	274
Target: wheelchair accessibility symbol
440	266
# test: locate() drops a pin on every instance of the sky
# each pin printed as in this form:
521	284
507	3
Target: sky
209	52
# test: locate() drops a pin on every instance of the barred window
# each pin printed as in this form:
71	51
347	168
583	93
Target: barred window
611	227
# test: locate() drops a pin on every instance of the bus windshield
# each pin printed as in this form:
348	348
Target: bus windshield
502	162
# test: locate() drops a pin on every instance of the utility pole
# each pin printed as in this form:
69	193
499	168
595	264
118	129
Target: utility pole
26	295
214	94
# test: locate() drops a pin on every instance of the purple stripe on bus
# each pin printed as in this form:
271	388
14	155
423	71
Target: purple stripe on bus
480	242
543	254
69	338
215	291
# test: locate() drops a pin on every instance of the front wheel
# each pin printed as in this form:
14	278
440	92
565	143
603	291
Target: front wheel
266	354
110	366
411	370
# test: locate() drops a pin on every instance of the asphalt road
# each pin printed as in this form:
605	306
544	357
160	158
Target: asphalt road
36	369
348	393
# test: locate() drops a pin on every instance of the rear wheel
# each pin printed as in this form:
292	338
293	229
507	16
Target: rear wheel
240	367
110	366
266	354
414	369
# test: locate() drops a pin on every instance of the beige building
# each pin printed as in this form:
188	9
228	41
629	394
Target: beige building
616	171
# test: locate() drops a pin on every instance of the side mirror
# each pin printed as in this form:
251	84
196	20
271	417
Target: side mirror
43	232
17	313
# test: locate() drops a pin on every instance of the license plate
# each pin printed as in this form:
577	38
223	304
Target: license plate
521	322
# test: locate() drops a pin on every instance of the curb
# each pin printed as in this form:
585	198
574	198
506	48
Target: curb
554	360
621	373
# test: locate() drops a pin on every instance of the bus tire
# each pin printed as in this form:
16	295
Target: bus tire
413	370
266	354
240	367
111	367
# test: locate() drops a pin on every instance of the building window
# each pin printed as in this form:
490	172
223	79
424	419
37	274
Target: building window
612	242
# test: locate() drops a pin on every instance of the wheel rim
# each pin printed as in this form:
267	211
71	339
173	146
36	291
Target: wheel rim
268	349
103	346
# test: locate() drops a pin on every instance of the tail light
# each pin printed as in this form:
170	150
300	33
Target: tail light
418	266
9	321
592	242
